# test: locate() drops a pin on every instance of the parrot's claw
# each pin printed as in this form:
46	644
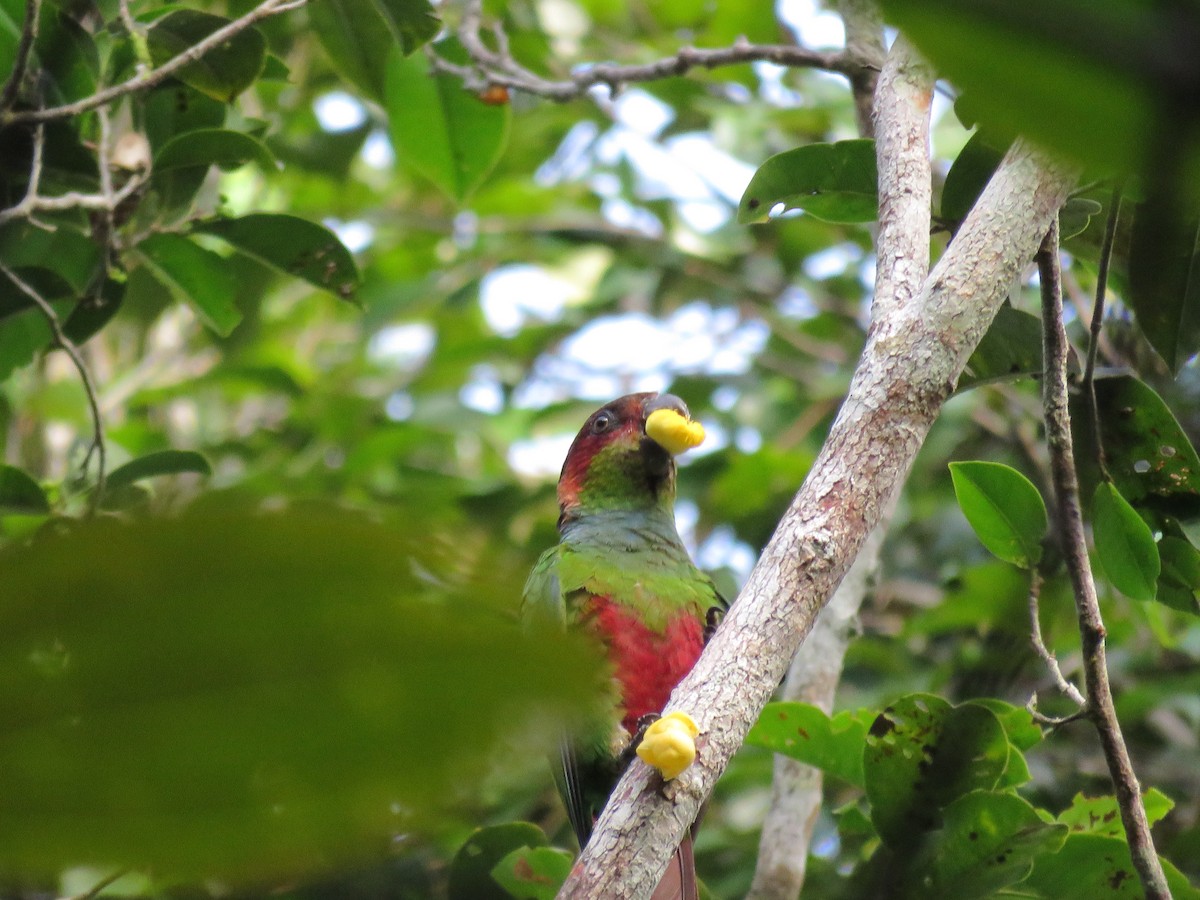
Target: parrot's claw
711	620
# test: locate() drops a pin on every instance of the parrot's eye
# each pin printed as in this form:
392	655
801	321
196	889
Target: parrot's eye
602	423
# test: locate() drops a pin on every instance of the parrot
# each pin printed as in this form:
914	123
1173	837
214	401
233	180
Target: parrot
621	574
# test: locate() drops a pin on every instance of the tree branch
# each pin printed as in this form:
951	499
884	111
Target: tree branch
143	81
497	67
8	95
909	367
89	387
1089	372
901	125
1091	625
1039	645
864	44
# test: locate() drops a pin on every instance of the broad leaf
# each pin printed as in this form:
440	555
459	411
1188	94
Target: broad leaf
987	842
834	182
195	276
232	696
1148	455
20	493
1124	544
533	873
806	733
444	132
1179	580
1076	215
969	174
471	870
1164	286
1101	815
1011	348
1091	866
164	462
212	147
922	754
360	35
1004	508
292	245
223	72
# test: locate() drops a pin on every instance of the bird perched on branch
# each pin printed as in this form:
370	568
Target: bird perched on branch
621	574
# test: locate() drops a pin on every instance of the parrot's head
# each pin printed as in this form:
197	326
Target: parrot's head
624	456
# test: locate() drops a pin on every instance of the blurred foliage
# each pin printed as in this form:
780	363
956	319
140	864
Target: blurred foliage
340	340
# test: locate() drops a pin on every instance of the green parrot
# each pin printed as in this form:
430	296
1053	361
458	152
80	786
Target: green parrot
622	575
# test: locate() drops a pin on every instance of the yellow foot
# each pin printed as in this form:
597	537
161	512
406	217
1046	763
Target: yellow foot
670	744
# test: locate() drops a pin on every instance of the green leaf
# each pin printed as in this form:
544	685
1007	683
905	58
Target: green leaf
834	182
1004	508
164	462
987	842
922	754
533	873
806	733
1011	348
1164	286
292	245
74	257
473	864
1076	215
969	174
1026	68
359	35
1091	866
1179	580
223	72
95	311
195	276
1102	815
212	147
1124	544
175	109
240	697
444	132
20	493
1150	459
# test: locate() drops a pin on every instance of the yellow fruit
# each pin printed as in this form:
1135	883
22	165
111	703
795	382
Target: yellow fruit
673	431
670	743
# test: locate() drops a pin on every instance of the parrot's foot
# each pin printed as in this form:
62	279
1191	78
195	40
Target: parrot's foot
669	744
711	620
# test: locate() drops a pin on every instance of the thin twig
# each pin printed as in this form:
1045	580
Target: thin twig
8	96
61	340
95	889
1089	372
1091	625
498	67
143	81
1039	645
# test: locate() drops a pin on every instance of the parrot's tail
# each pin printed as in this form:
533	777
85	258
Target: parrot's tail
679	881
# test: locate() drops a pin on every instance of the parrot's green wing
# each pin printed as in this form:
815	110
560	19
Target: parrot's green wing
543	602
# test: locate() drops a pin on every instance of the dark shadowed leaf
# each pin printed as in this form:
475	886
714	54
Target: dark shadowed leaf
1124	544
20	493
223	72
195	276
1150	459
968	175
1004	508
1011	348
444	132
359	35
1164	285
806	733
94	311
1179	580
231	696
471	870
922	753
1076	215
212	147
834	182
164	462
293	245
